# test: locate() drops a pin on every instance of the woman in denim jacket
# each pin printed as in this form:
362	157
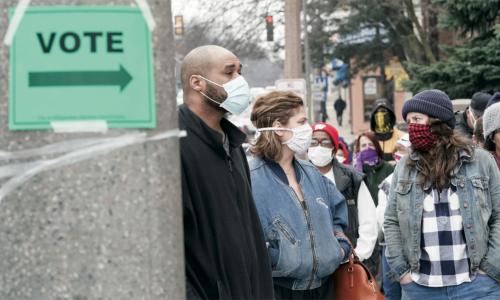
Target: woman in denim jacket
302	213
442	222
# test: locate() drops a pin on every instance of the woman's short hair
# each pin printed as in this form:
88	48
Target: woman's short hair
276	106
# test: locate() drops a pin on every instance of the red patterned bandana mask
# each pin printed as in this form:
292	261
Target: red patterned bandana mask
421	137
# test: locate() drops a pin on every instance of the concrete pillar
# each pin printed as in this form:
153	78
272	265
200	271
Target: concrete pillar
106	228
293	51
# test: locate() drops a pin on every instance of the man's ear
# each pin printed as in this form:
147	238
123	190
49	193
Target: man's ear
196	83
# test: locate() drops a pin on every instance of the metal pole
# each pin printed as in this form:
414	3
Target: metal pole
307	59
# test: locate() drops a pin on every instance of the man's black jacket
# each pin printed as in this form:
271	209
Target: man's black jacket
226	255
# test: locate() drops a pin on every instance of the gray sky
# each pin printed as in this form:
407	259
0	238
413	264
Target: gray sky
193	9
187	8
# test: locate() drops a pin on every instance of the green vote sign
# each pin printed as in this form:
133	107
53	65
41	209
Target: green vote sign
80	63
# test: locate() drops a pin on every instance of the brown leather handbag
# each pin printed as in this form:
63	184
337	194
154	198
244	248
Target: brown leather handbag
353	281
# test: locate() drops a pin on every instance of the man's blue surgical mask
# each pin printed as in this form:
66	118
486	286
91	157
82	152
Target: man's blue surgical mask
238	95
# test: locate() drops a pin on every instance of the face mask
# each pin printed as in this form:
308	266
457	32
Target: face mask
301	139
238	95
320	156
368	156
340	159
397	156
382	122
421	137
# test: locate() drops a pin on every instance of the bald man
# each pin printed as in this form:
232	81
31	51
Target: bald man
226	255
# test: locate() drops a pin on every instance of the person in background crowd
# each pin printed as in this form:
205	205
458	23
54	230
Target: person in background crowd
494	99
466	121
478	135
491	126
303	214
382	122
391	287
402	147
343	154
224	245
362	228
442	221
339	105
368	159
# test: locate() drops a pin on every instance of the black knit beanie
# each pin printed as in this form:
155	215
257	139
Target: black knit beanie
494	99
478	103
434	103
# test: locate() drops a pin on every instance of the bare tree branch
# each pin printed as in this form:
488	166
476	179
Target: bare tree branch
424	38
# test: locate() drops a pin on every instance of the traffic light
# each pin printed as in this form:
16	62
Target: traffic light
179	25
269	28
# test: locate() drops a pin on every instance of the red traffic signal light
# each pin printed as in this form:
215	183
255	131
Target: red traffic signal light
269	28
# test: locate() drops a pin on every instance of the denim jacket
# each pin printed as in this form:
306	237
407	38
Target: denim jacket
302	246
478	187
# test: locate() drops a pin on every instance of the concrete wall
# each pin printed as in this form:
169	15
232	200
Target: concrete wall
106	228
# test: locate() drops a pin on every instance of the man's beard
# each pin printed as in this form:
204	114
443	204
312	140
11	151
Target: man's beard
216	95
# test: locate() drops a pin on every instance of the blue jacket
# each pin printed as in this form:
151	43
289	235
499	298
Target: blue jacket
478	188
302	246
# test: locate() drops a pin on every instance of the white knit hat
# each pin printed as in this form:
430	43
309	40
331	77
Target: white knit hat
491	120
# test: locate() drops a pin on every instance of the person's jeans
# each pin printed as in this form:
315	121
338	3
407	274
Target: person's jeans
392	289
482	287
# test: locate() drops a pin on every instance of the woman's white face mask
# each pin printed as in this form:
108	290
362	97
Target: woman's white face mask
320	156
300	140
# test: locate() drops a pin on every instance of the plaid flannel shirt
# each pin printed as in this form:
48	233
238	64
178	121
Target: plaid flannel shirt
444	260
